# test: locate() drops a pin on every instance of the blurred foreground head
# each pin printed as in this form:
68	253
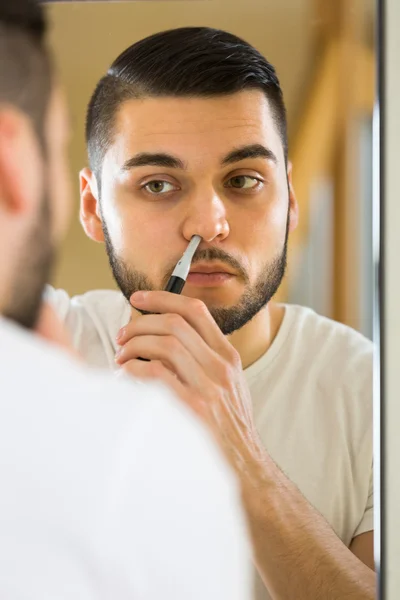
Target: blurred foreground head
34	183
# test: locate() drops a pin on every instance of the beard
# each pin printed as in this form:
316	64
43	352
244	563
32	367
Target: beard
33	271
228	318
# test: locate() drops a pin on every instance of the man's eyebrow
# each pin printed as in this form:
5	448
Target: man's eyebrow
162	159
158	159
251	151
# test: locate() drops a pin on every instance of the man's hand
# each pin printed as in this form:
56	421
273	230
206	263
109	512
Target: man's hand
188	351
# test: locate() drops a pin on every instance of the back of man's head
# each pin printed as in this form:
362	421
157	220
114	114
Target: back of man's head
26	159
25	73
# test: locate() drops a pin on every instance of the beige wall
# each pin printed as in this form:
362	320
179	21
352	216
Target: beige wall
392	301
86	37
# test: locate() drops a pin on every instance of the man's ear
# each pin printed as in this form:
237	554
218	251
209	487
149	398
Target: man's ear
90	215
293	205
21	166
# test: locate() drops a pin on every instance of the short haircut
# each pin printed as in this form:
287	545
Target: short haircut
184	62
25	69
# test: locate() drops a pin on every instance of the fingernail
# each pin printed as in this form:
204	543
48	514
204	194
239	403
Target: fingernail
138	297
120	334
118	355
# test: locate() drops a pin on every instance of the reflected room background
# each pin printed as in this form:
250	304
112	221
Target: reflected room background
325	58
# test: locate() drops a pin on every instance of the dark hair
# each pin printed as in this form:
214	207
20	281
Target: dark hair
25	70
190	61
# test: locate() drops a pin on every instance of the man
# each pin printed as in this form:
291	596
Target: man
108	489
186	135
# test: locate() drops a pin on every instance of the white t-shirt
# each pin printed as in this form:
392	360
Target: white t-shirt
109	489
312	400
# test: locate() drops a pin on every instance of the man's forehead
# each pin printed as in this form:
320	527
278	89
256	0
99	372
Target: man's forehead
220	123
170	113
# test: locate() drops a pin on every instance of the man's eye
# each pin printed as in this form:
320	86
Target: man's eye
157	187
243	182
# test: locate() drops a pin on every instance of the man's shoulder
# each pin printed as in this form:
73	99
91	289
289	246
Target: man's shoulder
91	302
50	371
320	334
93	320
90	403
327	355
318	351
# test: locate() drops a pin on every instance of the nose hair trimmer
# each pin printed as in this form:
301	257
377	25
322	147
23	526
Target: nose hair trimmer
181	271
179	275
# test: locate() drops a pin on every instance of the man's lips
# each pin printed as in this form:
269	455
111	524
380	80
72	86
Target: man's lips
209	275
210	268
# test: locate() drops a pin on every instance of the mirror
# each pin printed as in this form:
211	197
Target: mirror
330	131
324	54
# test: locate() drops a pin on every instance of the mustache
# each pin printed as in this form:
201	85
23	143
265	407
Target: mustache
213	253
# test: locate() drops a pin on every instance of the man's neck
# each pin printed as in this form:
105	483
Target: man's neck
254	339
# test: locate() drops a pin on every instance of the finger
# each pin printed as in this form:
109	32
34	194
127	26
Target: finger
153	324
171	353
174	325
194	311
157	371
